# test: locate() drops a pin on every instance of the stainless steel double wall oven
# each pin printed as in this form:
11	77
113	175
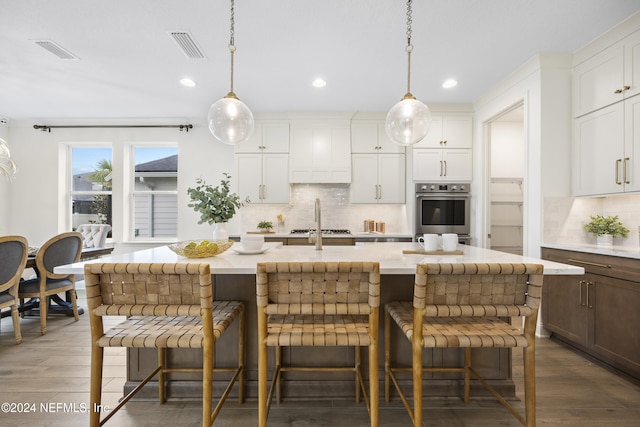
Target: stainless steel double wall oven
443	208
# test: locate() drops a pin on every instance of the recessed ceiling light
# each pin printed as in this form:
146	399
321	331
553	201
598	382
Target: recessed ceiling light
450	83
187	82
319	83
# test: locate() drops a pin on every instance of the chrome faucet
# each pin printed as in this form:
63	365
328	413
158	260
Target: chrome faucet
318	227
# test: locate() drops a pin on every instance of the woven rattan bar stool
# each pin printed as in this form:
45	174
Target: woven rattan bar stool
467	306
317	304
168	306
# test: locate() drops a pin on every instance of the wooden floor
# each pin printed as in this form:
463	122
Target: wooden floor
46	378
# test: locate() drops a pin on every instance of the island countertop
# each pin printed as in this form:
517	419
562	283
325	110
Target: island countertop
390	256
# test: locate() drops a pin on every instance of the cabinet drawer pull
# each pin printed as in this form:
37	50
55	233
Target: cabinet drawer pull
622	90
440	167
618	161
445	167
595	264
581	283
589	285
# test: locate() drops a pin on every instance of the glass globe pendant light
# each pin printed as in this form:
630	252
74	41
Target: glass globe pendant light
230	120
408	121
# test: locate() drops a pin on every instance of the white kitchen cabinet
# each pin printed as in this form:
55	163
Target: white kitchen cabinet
605	144
269	136
430	164
370	136
378	178
607	77
320	151
263	177
449	131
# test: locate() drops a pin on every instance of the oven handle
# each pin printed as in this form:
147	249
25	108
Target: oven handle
442	196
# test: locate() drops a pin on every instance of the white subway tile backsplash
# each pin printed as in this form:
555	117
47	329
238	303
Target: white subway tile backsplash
337	212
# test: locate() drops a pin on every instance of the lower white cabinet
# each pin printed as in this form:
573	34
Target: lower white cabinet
264	178
378	178
442	164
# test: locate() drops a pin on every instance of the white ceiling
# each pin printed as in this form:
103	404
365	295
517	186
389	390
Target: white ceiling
129	66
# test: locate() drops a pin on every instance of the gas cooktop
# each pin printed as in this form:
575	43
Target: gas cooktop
324	231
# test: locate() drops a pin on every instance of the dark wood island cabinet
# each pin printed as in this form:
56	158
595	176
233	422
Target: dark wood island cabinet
598	312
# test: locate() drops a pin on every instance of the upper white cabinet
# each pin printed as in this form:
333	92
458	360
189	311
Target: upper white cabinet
263	177
442	165
607	77
262	163
605	143
378	178
269	136
449	131
320	151
370	136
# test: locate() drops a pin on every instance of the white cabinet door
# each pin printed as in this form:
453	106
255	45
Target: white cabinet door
442	165
599	152
264	178
275	178
427	164
378	178
370	136
269	136
320	152
391	178
631	166
598	81
249	173
457	165
364	182
449	132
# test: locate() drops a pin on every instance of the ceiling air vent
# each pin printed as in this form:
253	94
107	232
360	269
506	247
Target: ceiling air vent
187	44
56	49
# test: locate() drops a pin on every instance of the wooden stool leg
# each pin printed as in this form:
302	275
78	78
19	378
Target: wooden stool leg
467	374
241	355
262	368
95	397
417	381
374	386
161	379
387	355
208	354
357	366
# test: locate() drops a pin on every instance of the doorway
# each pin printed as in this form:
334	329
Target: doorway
506	191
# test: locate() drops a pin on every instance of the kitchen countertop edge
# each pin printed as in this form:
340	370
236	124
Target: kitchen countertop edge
618	251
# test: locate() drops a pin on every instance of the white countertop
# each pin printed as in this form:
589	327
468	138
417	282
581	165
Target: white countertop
390	256
353	235
619	251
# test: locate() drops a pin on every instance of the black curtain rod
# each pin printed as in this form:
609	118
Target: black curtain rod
45	128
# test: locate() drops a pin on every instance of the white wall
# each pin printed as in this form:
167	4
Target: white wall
507	149
5	188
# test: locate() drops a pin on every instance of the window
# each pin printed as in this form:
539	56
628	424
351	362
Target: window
91	186
155	192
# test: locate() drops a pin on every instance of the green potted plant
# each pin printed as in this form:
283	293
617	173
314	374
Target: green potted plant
265	226
216	205
606	228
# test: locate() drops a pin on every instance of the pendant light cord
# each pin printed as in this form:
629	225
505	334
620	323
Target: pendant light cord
232	46
409	49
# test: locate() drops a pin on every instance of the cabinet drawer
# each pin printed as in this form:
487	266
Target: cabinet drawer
604	265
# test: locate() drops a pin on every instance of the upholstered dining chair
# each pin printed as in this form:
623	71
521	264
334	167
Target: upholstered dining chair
167	306
94	235
13	257
65	248
317	304
467	306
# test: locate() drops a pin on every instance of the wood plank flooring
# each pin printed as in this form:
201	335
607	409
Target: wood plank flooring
49	377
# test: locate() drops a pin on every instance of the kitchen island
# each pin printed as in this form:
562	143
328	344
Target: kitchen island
234	279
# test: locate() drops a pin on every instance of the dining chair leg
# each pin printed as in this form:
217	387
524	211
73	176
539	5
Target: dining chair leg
44	302
74	304
16	323
95	391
